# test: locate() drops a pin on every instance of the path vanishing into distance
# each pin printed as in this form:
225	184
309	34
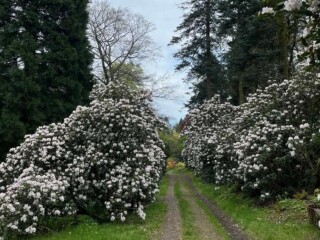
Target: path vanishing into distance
182	192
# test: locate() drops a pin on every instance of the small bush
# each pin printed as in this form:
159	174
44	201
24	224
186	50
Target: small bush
171	163
180	165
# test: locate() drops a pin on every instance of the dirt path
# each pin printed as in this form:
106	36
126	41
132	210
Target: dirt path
201	222
171	229
231	228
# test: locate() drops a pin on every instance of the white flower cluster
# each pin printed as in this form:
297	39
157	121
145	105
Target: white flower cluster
267	146
267	10
292	5
104	160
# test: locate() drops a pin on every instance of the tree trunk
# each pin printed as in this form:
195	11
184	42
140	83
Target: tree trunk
209	92
283	39
241	92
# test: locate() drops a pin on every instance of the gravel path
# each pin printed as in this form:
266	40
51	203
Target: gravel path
201	222
232	229
171	229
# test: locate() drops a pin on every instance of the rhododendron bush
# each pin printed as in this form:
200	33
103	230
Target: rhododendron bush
269	146
208	136
104	160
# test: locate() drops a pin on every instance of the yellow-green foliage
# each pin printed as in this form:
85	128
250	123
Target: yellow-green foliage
301	195
180	165
173	143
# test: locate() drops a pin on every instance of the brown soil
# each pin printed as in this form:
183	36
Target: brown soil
171	229
231	228
201	222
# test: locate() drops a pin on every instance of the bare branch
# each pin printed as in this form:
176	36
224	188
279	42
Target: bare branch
118	37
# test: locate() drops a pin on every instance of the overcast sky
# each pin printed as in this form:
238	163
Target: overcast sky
166	16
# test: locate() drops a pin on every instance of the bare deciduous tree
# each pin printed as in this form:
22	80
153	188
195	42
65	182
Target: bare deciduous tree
118	37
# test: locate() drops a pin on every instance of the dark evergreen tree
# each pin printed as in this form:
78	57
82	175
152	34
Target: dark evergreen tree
254	54
44	64
197	36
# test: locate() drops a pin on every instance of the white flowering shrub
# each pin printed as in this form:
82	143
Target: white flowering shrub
104	160
209	134
265	125
269	146
30	198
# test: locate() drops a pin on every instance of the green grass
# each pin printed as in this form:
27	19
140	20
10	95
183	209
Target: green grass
133	229
261	222
189	232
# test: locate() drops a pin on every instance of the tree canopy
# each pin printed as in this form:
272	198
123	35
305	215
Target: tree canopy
119	38
198	41
44	64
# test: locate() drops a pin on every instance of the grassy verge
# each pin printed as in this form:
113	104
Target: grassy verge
188	230
284	220
133	229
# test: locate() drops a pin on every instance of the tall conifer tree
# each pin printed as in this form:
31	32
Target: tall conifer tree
254	52
196	34
44	64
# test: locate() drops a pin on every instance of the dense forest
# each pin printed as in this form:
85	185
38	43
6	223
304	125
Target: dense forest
231	48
